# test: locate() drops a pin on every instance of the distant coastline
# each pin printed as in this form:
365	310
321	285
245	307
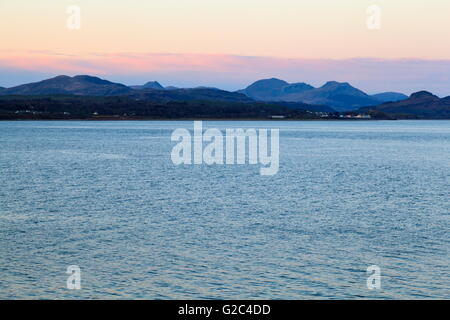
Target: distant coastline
39	117
91	98
191	119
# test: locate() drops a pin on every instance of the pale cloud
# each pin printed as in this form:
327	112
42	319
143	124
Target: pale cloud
230	71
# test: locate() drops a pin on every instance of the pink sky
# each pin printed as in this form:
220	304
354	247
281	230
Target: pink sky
231	43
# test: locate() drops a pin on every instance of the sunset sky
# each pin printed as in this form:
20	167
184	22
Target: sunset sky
230	43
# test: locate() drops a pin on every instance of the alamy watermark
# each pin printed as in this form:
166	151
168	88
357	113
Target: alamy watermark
73	21
74	279
374	279
373	21
227	148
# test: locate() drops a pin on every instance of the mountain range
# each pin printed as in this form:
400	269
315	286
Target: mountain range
341	96
331	97
151	91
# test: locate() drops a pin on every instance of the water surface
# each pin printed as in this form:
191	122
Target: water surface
105	196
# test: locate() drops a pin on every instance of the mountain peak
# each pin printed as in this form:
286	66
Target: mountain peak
153	85
331	84
423	94
270	82
265	89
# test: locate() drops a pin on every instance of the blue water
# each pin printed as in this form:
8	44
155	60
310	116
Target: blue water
105	196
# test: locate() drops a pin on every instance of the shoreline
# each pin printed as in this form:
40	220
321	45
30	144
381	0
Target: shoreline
206	119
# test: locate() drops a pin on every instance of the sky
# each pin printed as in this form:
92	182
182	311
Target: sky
377	45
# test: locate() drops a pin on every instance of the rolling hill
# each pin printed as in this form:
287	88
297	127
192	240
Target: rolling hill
389	96
420	105
77	85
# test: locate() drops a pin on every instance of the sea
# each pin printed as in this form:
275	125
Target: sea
350	197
